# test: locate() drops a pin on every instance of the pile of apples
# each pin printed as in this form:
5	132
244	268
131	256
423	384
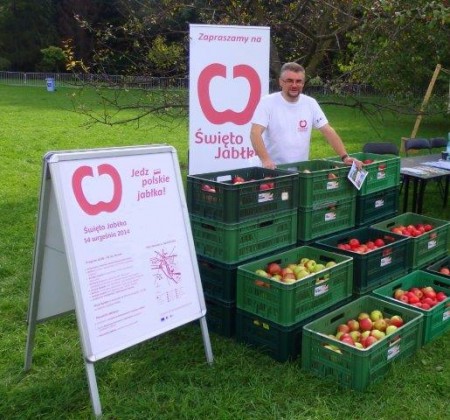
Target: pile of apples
365	330
412	230
355	245
421	297
293	272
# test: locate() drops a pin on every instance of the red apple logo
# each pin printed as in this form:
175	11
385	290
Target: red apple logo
216	117
94	209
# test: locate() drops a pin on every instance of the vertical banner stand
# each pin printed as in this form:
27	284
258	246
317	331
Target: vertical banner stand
114	244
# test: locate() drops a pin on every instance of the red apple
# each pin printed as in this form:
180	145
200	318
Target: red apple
274	268
365	324
445	271
396	320
441	296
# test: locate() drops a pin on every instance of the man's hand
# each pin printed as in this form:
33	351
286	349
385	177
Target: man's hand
349	161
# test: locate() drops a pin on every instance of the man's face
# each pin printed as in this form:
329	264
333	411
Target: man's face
292	85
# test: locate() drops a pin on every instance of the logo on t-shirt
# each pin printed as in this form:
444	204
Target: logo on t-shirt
302	125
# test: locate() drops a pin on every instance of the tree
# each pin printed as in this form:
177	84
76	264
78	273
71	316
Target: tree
337	42
398	45
53	60
26	26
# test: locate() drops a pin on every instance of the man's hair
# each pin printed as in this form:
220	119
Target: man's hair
297	68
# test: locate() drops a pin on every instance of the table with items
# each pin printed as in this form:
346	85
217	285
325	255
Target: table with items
418	170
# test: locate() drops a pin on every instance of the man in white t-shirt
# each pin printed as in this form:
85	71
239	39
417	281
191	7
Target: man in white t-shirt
283	121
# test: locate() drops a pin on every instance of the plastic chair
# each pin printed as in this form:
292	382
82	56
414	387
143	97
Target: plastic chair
381	148
438	143
417	144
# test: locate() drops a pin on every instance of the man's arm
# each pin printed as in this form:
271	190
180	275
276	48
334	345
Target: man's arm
338	145
256	138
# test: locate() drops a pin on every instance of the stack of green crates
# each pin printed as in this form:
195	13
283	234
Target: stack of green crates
326	198
378	197
271	314
236	222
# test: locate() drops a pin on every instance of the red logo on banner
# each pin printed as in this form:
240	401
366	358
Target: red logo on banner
94	209
216	117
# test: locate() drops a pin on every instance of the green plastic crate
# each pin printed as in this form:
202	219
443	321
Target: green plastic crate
436	321
426	248
383	173
287	304
356	368
374	268
324	181
280	343
221	317
443	262
231	243
233	203
375	207
325	219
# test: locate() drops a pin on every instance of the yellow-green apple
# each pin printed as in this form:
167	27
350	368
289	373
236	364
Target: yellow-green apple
377	334
359	345
262	273
380	324
318	267
391	329
310	264
330	264
301	273
356	336
304	260
376	314
353	324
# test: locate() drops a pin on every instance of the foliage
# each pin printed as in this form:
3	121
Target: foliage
399	44
53	59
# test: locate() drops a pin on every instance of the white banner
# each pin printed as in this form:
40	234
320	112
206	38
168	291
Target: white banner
229	72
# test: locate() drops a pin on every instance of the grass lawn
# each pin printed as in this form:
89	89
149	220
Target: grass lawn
168	377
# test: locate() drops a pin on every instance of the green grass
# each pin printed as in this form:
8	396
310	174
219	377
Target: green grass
168	377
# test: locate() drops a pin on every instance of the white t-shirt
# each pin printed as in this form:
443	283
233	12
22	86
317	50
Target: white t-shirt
288	126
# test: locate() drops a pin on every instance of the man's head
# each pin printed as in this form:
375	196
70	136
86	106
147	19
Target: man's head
292	80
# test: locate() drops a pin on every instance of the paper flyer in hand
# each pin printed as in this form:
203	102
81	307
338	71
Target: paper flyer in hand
357	176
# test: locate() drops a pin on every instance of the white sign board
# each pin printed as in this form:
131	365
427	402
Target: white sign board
229	72
114	243
126	234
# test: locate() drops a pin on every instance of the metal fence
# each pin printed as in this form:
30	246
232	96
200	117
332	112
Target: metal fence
143	82
78	80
